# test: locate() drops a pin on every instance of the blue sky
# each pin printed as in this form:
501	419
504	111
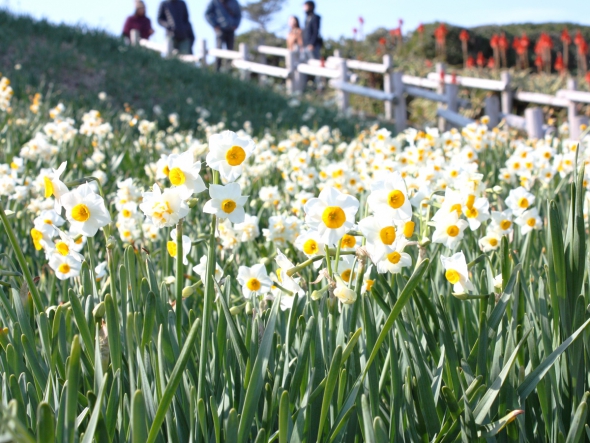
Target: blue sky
338	16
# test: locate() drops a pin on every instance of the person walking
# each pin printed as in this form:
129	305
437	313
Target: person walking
138	21
295	36
224	16
312	39
173	16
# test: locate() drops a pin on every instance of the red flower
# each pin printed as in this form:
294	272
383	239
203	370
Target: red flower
503	41
428	63
559	66
587	77
481	60
470	63
579	38
382	41
494	41
565	37
491	63
524	40
440	33
464	35
539	62
420	28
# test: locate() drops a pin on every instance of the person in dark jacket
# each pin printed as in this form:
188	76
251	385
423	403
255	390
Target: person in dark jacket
173	16
138	21
224	16
312	40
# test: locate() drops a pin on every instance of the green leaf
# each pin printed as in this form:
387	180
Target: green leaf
254	388
91	428
488	398
72	390
284	418
531	381
329	390
139	431
577	426
45	424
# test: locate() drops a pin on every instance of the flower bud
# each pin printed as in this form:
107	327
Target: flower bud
188	291
344	293
98	312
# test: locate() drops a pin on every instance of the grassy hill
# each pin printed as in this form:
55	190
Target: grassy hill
74	64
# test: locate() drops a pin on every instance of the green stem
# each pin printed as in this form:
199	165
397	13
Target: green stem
207	304
21	260
179	281
329	262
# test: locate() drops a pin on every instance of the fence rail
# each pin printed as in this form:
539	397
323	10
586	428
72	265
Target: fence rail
438	86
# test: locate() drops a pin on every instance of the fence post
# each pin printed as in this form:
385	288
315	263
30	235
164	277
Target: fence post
169	46
573	120
534	122
492	110
400	102
506	93
243	49
343	95
388	85
293	81
452	92
203	53
440	89
134	37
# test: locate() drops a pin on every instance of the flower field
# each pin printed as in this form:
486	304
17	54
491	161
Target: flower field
164	285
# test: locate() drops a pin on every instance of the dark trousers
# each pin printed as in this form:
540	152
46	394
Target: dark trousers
221	37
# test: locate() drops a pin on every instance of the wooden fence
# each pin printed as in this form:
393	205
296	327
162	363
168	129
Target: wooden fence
438	86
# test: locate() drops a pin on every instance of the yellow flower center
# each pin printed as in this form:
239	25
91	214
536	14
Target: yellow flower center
310	247
171	246
452	231
370	284
470	201
457	208
166	170
176	176
36	235
47	221
505	224
452	276
13	165
396	199
409	229
79	240
333	217
235	156
228	206
523	203
48	187
394	257
531	222
253	284
471	213
348	241
346	275
64	268
62	248
493	242
80	212
126	213
161	208
387	235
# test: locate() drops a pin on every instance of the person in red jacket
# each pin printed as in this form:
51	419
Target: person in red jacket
138	21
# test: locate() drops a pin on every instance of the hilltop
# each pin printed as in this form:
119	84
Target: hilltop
75	64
